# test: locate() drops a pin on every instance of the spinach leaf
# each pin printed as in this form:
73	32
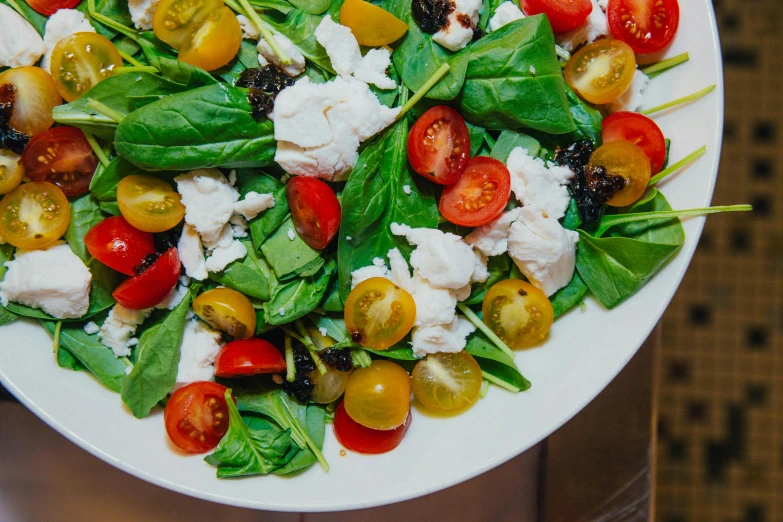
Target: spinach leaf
510	140
261	227
477	135
115	9
572	220
245	59
37	20
335	327
298	297
287	253
6	254
252	276
85	214
498	267
568	296
104	183
586	118
514	80
157	357
399	352
68	361
668	143
314	421
205	127
315	7
333	302
668	231
496	363
7	317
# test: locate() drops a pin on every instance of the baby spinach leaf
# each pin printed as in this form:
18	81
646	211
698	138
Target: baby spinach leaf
498	267
68	361
252	276
572	220
85	214
495	362
333	302
335	326
286	252
477	135
157	357
298	297
314	7
104	183
115	9
209	126
399	352
568	296
245	59
510	140
668	231
262	226
314	422
7	317
586	118
514	80
6	254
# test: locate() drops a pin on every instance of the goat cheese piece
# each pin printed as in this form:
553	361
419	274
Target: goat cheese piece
174	298
543	250
249	29
458	31
340	44
141	12
372	69
238	226
267	55
20	43
200	347
223	256
118	329
434	306
64	22
539	185
253	204
361	275
191	253
632	99
506	13
604	4
91	328
209	201
449	338
594	27
492	239
53	279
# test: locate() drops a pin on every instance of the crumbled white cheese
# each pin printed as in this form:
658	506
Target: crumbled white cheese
455	35
533	70
291	234
141	12
249	29
594	27
368	272
191	253
200	347
539	185
209	201
281	311
340	45
434	306
266	54
450	338
223	256
492	239
323	331
223	240
174	298
347	238
118	329
506	13
238	226
52	279
20	43
604	4
406	189
253	204
64	22
631	99
91	328
372	69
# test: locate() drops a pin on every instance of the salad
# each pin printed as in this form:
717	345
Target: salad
267	216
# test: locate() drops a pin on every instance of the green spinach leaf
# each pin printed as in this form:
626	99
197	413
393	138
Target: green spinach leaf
69	362
498	267
287	253
6	254
85	214
252	276
261	227
572	220
496	363
568	296
298	297
510	140
314	7
586	118
115	9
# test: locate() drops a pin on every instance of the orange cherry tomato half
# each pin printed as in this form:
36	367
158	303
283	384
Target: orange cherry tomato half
646	25
479	196
49	7
118	245
360	439
11	171
81	61
439	145
378	313
564	15
601	71
62	156
31	94
215	42
34	215
518	312
196	416
315	210
153	285
379	396
624	159
447	382
372	26
175	20
149	204
639	130
228	311
249	357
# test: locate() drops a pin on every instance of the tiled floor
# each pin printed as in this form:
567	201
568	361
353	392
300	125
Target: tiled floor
720	453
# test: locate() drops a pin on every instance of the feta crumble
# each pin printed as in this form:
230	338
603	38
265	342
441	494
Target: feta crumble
191	253
456	35
200	347
253	204
372	69
209	201
449	338
290	233
91	328
141	12
594	27
538	184
492	239
631	99
340	45
406	189
119	327
20	43
225	255
64	22
506	13
266	55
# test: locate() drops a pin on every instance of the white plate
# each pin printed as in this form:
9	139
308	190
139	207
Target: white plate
585	351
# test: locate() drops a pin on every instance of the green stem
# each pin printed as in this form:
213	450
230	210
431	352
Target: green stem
608	222
105	20
562	53
308	343
265	32
681	101
86	119
135	69
497	382
131	60
290	373
306	436
429	84
56	336
484	388
105	110
361	358
485	329
96	148
671	169
661	67
234	6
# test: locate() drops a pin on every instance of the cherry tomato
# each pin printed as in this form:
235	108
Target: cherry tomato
11	171
372	26
116	244
34	215
564	15
175	20
249	357
149	204
378	396
518	312
646	25
196	416
49	7
328	387
61	155
623	158
81	61
379	313
315	210
153	285
639	130
215	42
447	381
601	71
439	145
227	310
34	96
356	437
479	196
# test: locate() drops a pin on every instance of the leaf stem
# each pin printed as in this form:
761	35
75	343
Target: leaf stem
360	357
429	84
306	436
562	53
105	20
135	69
671	169
484	388
494	380
234	6
105	110
304	338
661	67
680	101
485	329
76	119
265	32
131	60
290	367
56	336
96	148
608	222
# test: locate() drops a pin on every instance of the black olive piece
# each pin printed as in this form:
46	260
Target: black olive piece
149	260
302	387
431	15
167	240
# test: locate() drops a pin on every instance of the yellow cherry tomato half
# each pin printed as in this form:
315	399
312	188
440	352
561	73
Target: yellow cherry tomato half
175	20
601	71
518	312
379	313
149	204
447	382
35	215
228	311
378	396
215	42
11	171
33	95
81	61
371	25
328	387
627	160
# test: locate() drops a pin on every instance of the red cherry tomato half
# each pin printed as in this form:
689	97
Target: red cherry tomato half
116	244
249	357
479	196
439	145
62	156
153	285
564	15
49	7
639	130
362	439
314	209
646	25
196	416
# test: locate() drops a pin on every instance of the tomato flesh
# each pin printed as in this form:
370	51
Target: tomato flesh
49	7
11	171
479	196
153	285
196	416
249	357
81	61
34	215
118	245
149	204
372	26
174	21
30	94
62	156
602	71
227	310
639	130
564	15
518	312
378	313
315	210
447	382
215	42
360	439
624	159
439	145
646	25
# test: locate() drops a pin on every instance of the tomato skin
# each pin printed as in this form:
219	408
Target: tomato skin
563	15
11	171
315	210
639	130
479	196
62	156
31	230
439	145
175	20
518	312
118	245
149	204
372	26
80	61
447	382
378	396
196	416
361	439
153	285
624	159
34	96
215	42
249	357
49	7
378	313
227	310
648	35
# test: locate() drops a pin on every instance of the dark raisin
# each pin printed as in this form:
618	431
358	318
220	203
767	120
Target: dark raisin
167	240
261	102
357	337
338	358
10	137
302	387
431	15
265	83
149	260
477	34
13	140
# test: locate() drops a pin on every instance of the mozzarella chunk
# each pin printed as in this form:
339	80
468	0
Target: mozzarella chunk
239	226
361	275
209	201
492	239
266	54
91	328
340	44
372	69
449	338
223	256
539	185
64	22
20	43
594	27
141	12
253	204
604	4
506	13
543	250
632	99
191	253
120	326
434	306
200	347
457	33
52	279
